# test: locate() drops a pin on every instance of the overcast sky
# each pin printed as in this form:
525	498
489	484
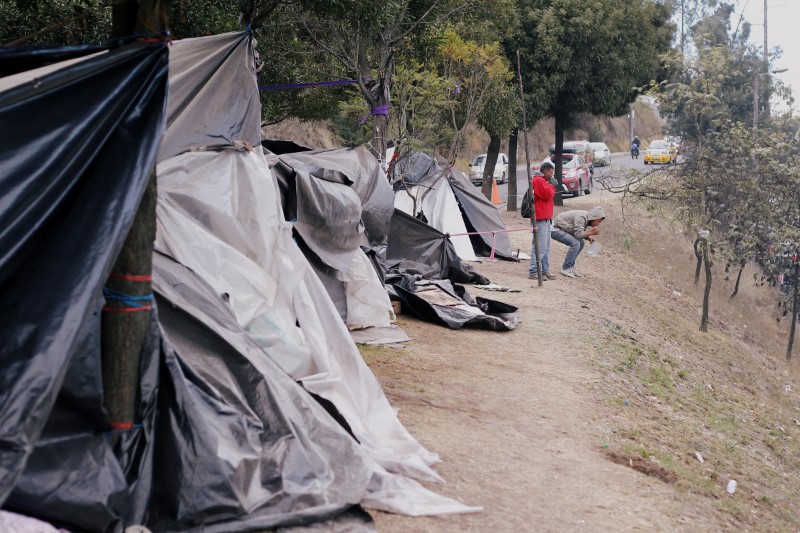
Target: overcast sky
782	30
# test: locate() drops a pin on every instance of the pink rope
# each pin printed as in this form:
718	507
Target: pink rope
531	229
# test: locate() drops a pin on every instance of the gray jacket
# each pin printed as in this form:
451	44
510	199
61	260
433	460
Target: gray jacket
575	222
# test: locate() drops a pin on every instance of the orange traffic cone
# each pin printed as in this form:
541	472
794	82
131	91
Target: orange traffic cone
495	193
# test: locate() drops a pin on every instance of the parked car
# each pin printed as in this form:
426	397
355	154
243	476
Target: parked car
660	152
602	155
575	176
500	169
578	147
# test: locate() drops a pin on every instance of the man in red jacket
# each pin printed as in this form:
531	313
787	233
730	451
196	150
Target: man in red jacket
543	193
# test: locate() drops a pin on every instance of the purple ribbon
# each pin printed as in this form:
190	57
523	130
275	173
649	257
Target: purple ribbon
380	110
302	85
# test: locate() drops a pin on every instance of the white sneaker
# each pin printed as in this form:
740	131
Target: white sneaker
575	272
567	272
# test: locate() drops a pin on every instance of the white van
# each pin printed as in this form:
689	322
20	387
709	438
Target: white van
500	169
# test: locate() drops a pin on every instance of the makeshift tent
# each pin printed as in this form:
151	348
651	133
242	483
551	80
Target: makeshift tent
445	199
219	214
226	439
422	269
340	203
74	167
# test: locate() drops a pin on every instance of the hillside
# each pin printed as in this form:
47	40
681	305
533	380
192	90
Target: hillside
596	412
613	131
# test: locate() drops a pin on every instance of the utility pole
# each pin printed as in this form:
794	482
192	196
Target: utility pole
766	57
631	119
766	41
683	49
756	76
536	258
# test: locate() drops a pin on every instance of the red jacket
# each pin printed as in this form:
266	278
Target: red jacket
543	193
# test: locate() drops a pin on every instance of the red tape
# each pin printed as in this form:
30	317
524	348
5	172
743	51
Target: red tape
131	277
122	425
108	309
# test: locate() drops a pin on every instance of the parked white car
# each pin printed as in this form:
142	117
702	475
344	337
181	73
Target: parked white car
500	169
602	155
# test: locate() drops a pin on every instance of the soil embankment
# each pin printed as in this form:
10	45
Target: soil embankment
596	412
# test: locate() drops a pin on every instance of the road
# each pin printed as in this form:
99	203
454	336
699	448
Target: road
621	161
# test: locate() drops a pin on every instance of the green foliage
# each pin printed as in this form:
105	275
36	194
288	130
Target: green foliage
502	112
587	55
422	104
740	183
196	18
473	73
54	22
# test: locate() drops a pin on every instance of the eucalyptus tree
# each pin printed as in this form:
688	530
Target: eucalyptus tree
779	256
363	38
464	79
575	61
500	117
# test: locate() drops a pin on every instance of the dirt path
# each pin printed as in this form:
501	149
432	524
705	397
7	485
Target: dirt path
518	418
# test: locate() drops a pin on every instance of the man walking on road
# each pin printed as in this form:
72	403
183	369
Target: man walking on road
571	228
543	193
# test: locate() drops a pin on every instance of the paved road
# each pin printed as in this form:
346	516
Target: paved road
620	161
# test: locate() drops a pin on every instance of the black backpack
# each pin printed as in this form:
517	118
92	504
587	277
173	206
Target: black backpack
527	205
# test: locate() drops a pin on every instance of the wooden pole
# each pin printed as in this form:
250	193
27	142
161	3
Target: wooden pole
125	322
528	174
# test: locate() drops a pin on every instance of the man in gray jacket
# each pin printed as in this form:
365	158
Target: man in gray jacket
572	228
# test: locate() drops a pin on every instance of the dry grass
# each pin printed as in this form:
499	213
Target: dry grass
727	394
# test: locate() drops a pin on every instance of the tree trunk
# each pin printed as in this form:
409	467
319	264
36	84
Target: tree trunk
707	291
124	324
699	255
558	160
795	309
488	168
511	200
379	141
738	279
123	17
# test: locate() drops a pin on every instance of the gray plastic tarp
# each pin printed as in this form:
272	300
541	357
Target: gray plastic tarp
211	79
219	214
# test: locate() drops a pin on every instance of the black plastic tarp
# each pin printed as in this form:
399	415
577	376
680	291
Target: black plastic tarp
419	248
460	313
75	163
208	85
420	256
22	58
480	216
328	218
358	168
414	168
225	440
246	447
418	168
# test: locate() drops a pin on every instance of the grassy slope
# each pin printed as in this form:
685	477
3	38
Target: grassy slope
674	391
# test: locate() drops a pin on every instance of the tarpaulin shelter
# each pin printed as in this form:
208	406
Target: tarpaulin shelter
423	270
340	204
226	439
219	214
446	200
